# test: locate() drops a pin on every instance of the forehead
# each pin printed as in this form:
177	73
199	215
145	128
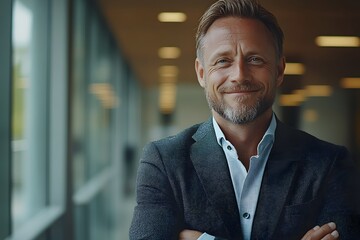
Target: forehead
249	33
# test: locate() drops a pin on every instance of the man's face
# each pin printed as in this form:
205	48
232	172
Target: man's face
239	69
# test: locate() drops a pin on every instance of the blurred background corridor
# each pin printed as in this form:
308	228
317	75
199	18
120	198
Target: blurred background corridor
85	84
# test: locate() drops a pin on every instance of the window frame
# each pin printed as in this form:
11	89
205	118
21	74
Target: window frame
5	120
57	187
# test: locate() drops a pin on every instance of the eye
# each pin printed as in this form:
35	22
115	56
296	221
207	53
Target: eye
255	60
222	61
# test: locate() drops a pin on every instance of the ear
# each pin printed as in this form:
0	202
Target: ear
199	68
280	71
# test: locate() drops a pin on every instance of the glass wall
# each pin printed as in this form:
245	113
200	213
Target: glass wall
29	108
38	117
102	120
67	124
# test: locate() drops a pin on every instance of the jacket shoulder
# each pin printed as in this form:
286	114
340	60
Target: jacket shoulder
306	143
182	138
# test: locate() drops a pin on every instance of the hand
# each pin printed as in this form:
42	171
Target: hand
189	234
325	232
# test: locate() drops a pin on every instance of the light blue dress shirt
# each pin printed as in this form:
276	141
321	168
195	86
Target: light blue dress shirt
246	183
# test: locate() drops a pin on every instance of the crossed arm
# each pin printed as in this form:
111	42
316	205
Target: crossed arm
325	232
157	217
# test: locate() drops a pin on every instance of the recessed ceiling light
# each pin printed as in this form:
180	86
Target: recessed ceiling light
169	52
105	94
297	97
338	41
168	71
318	90
172	17
167	97
291	100
294	69
350	82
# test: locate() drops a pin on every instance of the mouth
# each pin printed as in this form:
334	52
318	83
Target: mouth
241	89
241	92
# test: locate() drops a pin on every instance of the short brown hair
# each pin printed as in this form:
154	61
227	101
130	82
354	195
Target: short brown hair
243	9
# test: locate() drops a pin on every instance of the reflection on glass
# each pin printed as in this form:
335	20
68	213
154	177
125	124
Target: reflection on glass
78	104
93	97
29	110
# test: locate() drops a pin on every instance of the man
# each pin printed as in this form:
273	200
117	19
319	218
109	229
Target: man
243	174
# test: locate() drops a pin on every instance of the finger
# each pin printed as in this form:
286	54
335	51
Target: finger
184	234
310	232
332	236
187	234
324	231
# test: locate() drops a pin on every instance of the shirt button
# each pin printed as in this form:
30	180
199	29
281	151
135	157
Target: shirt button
229	148
246	215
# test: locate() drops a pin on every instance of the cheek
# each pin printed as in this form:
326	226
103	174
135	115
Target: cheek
217	77
211	87
267	78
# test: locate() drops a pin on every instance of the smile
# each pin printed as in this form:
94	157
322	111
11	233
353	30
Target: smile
240	92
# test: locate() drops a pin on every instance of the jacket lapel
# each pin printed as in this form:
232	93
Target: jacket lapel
278	177
212	168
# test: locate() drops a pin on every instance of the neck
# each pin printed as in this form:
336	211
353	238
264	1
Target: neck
245	137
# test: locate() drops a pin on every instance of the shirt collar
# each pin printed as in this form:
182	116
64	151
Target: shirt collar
268	137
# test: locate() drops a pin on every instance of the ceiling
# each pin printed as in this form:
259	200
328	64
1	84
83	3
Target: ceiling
140	35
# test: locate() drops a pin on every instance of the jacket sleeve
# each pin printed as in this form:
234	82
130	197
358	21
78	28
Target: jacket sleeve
342	199
156	215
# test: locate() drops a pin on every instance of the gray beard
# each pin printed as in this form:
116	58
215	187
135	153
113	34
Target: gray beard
242	115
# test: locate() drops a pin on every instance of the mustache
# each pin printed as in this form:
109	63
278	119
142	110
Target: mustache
245	86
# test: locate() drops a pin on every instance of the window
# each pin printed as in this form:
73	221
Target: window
29	114
52	188
38	109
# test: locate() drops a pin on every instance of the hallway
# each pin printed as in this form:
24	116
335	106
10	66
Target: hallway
85	84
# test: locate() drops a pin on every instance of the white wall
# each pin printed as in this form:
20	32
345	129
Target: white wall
191	108
330	123
331	117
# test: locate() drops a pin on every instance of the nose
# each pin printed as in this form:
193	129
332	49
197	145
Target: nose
240	72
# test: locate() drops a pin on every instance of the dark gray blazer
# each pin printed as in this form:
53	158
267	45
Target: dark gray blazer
184	183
